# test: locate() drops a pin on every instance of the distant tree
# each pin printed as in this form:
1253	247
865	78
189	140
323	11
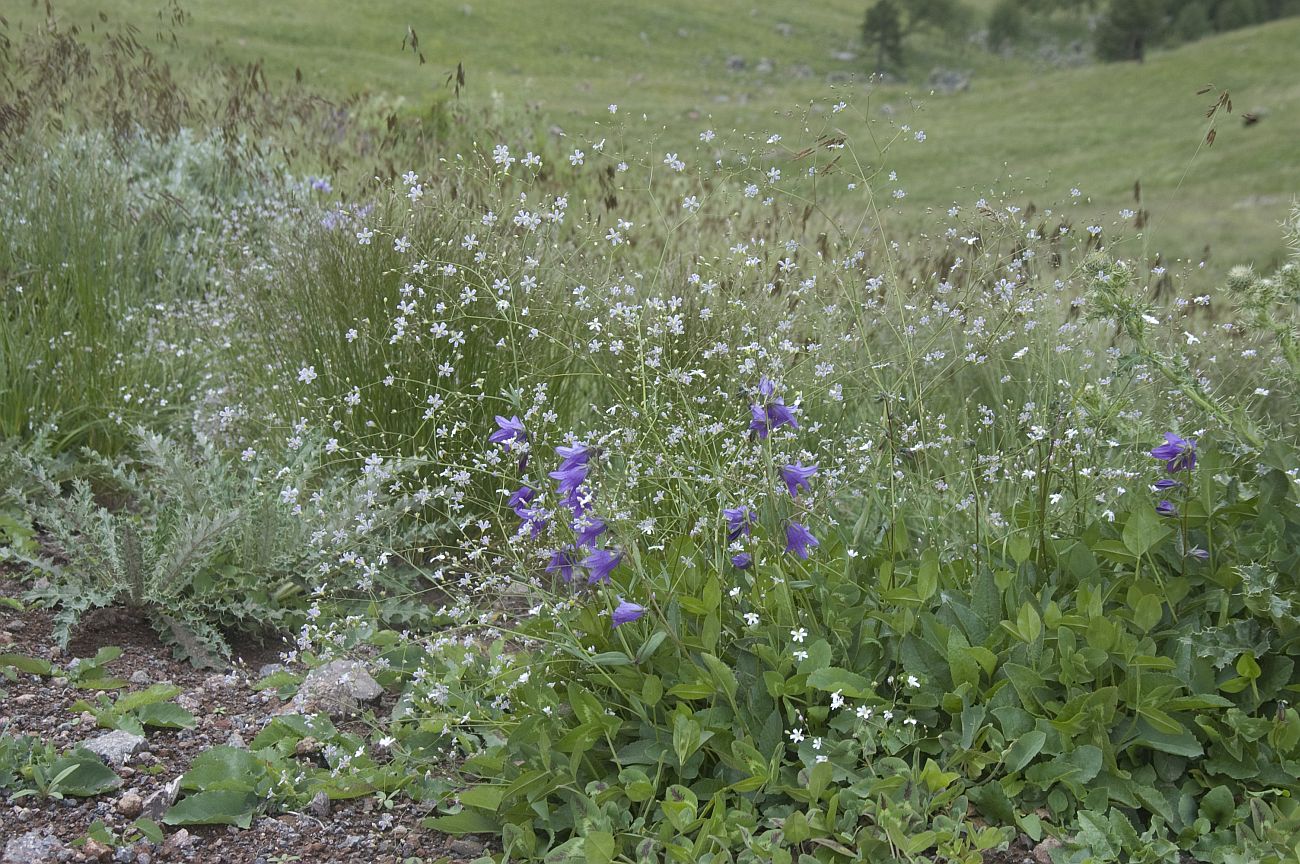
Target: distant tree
946	16
1191	21
1006	24
1128	27
1235	14
883	30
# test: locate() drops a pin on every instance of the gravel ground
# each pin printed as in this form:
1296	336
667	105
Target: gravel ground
225	706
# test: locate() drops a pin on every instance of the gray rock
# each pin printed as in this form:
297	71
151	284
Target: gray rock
949	81
735	63
155	806
32	848
130	805
1043	851
114	747
237	741
337	688
319	806
139	676
466	847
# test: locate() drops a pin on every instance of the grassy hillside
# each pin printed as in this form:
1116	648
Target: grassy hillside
1032	132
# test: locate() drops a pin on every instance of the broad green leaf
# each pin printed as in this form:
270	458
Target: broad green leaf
1148	612
165	715
599	847
157	693
721	674
1217	806
1143	530
83	774
464	822
795	829
222	807
686	737
28	665
1023	751
149	829
832	678
486	796
646	651
224	769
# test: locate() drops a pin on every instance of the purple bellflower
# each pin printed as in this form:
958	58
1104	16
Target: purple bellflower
578	454
522	495
739	520
627	612
1178	454
600	563
511	432
563	561
569	478
764	419
798	539
796	476
742	560
588	530
1166	508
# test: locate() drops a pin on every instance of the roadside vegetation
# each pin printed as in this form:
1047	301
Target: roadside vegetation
687	496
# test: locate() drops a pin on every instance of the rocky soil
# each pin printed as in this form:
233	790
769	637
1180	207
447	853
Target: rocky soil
228	712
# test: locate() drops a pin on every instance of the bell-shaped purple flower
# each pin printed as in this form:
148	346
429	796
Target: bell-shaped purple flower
627	612
588	529
1166	508
739	520
578	454
742	560
563	561
511	432
765	387
798	539
778	415
600	563
521	496
758	421
796	477
1178	454
1166	483
532	518
1199	554
570	478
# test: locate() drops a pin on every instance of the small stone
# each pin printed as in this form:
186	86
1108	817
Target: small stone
1043	851
155	806
466	847
116	746
32	848
306	747
25	699
93	850
338	688
139	676
16	625
130	805
6	638
319	806
237	741
176	842
217	682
